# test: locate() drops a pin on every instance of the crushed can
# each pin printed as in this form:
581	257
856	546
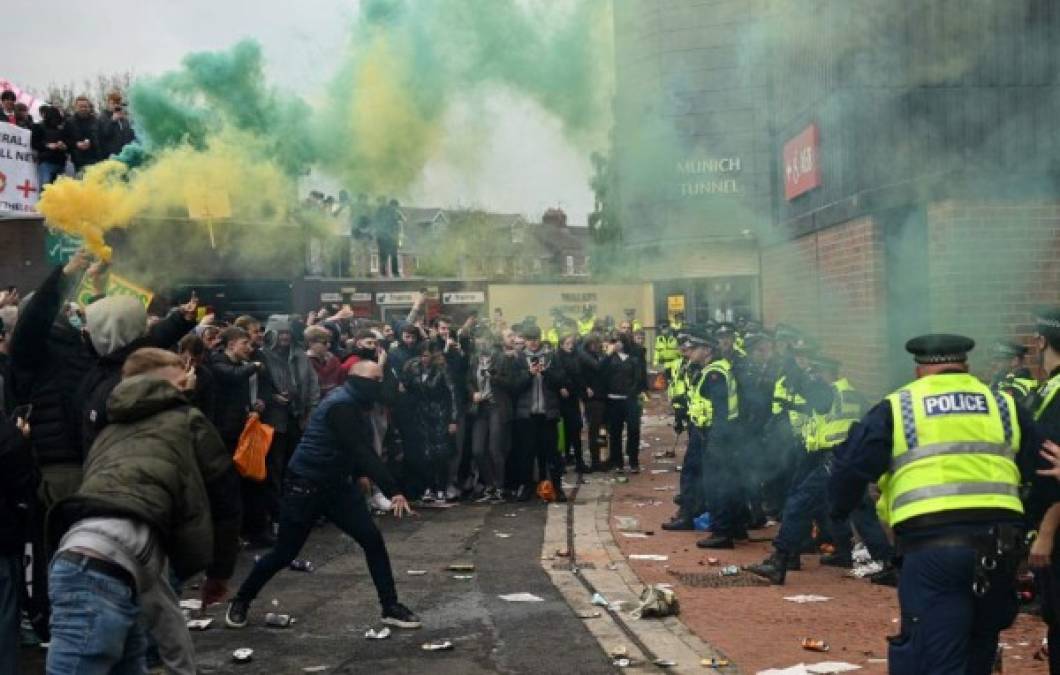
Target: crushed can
242	655
300	565
278	620
714	663
814	645
730	570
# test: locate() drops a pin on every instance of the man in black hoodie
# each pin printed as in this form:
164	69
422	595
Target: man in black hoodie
48	140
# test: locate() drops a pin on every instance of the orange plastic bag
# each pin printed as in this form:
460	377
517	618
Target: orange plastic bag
545	491
659	384
253	448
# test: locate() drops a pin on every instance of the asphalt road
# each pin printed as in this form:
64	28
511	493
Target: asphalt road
336	604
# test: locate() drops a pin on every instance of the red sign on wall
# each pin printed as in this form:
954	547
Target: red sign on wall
802	163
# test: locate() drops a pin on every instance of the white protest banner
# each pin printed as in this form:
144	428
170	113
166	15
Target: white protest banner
18	172
21	96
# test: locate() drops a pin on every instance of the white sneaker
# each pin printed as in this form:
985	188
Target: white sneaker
379	501
439	496
427	497
451	493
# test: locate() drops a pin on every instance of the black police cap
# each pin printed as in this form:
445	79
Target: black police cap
1048	319
724	328
1008	350
940	348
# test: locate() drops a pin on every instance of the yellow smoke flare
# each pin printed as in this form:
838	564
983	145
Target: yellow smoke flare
89	207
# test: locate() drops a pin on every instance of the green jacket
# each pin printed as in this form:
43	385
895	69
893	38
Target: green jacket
161	462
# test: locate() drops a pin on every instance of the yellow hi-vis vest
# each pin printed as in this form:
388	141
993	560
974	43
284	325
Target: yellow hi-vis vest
826	431
955	443
1046	394
700	408
585	326
552	337
666	350
781	394
677	386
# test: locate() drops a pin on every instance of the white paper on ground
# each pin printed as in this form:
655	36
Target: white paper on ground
649	556
803	599
520	597
191	603
634	535
822	668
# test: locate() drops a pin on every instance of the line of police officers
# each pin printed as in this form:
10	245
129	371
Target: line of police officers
957	464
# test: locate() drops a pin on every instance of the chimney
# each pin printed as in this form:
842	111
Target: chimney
555	217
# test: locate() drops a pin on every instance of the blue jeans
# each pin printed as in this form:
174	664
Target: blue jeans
10	591
95	624
47	172
947	629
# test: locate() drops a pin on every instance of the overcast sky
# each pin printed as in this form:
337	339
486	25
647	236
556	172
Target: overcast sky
525	167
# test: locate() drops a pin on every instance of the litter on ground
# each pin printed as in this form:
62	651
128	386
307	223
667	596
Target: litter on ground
654	557
803	599
520	597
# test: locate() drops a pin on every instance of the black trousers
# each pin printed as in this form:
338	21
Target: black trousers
283	445
303	503
624	413
596	411
536	438
570	410
388	257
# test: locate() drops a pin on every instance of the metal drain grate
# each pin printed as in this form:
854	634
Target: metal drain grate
716	580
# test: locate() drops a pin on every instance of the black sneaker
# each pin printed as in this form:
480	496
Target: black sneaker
401	616
236	616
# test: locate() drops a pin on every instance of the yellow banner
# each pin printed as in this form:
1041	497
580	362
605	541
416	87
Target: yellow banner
116	285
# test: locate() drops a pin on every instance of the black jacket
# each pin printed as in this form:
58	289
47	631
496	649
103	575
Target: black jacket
80	129
623	377
114	135
569	362
49	359
105	374
44	134
591	371
18	484
553	378
232	402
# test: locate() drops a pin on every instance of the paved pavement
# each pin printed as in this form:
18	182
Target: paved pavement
336	604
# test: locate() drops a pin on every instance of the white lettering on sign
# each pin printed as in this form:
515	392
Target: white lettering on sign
360	297
465	298
963	403
396	298
701	166
331	297
713	187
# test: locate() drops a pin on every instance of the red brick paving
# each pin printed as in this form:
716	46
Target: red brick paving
755	626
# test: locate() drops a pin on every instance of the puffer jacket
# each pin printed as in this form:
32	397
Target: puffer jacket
232	401
49	358
161	462
18	485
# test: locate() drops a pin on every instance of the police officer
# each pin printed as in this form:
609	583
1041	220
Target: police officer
666	347
634	323
803	395
587	323
726	336
754	381
948	454
1045	557
690	498
714	407
831	429
1008	372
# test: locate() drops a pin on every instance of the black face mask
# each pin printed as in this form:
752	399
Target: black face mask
369	389
366	353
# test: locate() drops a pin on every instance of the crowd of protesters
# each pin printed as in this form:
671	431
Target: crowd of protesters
71	139
120	428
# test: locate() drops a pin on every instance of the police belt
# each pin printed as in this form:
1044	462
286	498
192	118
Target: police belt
998	551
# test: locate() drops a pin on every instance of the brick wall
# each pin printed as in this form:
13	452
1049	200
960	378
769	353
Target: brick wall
991	265
831	285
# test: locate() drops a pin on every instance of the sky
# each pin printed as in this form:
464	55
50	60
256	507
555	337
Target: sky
524	165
